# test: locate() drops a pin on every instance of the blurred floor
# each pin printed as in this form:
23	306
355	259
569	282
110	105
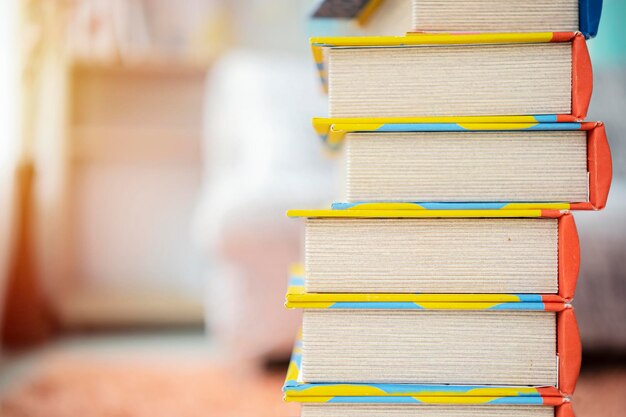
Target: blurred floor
601	389
155	374
176	373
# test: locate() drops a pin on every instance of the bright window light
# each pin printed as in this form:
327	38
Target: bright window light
9	86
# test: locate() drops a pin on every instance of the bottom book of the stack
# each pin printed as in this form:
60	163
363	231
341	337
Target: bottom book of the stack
474	408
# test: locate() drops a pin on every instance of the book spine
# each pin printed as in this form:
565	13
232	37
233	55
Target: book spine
569	256
589	12
582	77
569	350
564	410
551	396
600	166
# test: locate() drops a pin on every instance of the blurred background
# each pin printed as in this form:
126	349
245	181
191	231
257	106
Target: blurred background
149	151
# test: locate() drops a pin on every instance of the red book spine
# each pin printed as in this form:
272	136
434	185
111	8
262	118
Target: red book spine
569	350
599	166
582	77
564	410
569	256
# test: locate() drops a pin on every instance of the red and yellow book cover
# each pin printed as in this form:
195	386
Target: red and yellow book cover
581	72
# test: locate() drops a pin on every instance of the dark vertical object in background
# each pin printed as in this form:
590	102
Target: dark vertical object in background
341	9
26	318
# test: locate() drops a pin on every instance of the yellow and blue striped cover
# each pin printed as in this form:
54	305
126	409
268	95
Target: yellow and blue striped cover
391	206
460	210
333	130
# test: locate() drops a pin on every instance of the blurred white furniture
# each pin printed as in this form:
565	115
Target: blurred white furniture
262	158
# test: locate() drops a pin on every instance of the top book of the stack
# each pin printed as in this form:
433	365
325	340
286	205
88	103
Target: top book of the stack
541	74
469	15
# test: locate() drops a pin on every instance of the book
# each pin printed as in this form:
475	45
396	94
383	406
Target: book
458	347
465	163
430	75
561	357
468	15
440	251
477	409
506	16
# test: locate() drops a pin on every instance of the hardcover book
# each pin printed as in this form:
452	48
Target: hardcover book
521	347
425	163
507	16
440	251
430	75
474	407
473	15
549	368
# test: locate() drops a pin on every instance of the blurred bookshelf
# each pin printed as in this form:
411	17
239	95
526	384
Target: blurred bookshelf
134	140
114	98
136	113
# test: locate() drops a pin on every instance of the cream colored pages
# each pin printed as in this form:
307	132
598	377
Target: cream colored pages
432	255
467	166
495	15
429	347
450	80
424	410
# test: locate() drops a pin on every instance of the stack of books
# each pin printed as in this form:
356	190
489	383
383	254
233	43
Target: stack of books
441	284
